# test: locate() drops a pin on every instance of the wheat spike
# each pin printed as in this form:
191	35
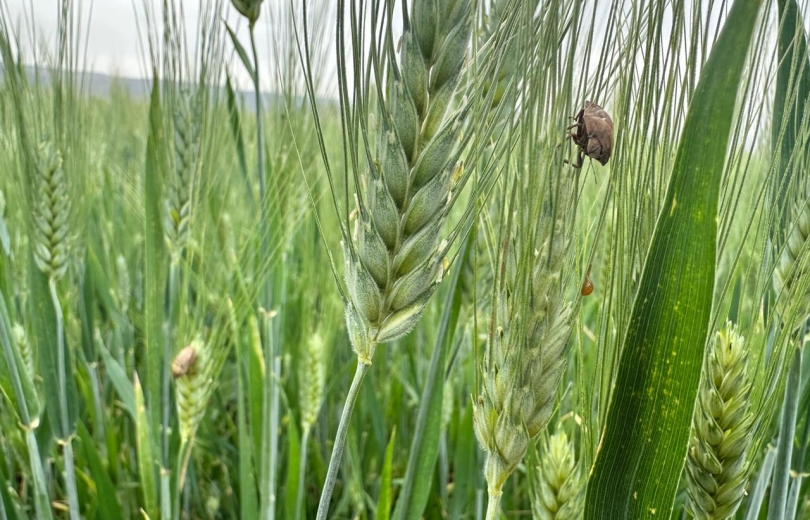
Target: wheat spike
526	351
559	493
51	213
791	266
181	183
722	430
393	260
250	9
25	348
123	283
312	378
193	370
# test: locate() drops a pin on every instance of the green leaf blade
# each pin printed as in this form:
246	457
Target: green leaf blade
155	257
642	451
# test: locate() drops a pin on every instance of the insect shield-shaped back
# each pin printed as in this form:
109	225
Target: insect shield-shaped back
594	133
184	362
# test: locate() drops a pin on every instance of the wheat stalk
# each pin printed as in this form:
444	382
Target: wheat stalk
722	430
560	490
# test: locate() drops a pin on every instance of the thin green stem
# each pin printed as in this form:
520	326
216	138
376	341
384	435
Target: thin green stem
42	501
70	471
340	440
493	506
302	471
165	472
70	481
262	173
787	430
165	493
92	370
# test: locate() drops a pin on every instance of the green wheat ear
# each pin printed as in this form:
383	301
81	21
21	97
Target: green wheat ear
560	490
526	352
183	178
193	369
722	430
51	213
394	258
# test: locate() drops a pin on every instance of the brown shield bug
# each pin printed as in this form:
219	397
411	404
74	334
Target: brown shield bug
594	134
184	362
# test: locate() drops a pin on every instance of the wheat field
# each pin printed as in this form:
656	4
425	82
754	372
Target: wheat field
423	259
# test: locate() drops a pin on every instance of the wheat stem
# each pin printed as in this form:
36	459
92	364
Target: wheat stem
302	468
493	505
787	431
340	440
70	471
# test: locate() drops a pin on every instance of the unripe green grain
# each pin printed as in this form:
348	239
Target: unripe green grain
25	348
51	213
722	430
526	352
193	370
182	181
393	261
560	489
312	378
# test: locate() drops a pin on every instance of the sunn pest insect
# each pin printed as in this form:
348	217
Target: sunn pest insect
593	135
183	362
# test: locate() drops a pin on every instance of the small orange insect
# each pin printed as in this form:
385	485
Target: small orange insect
587	286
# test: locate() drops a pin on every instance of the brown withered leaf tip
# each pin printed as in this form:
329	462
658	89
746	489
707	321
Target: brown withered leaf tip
183	362
594	134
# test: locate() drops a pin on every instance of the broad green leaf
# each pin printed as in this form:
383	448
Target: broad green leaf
10	508
45	330
293	464
756	493
240	50
42	500
118	378
787	431
644	440
146	461
238	136
247	476
155	256
105	489
87	312
15	381
465	465
418	481
255	376
384	500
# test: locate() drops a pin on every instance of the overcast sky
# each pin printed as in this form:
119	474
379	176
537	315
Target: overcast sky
114	42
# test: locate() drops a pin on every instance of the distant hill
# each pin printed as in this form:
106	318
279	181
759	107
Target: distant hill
100	85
